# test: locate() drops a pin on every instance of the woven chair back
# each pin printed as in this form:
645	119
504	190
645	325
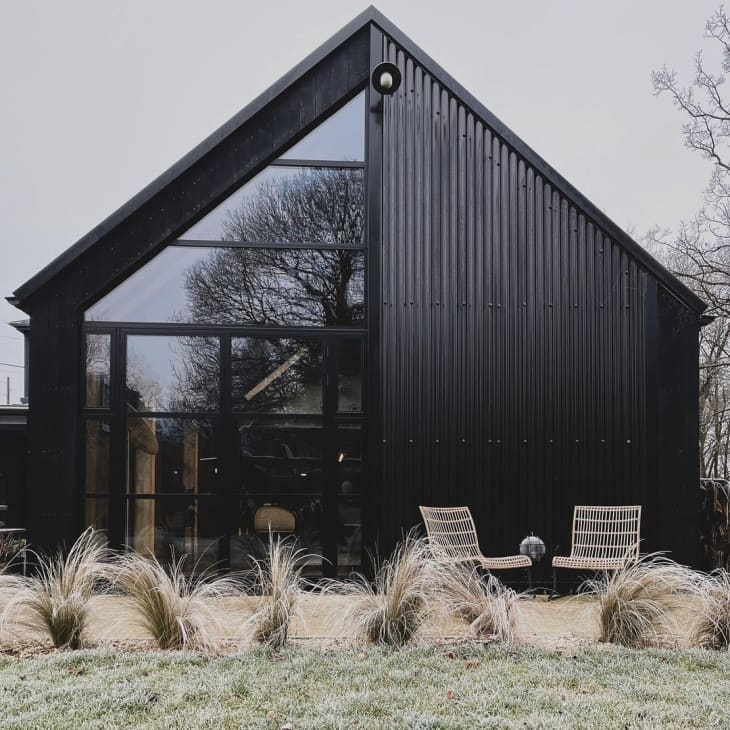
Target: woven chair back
276	519
451	532
606	533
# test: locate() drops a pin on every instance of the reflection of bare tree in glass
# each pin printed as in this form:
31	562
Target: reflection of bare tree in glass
277	375
280	286
300	287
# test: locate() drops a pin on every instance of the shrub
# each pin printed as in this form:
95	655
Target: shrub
54	603
636	602
279	582
482	600
405	594
712	626
176	610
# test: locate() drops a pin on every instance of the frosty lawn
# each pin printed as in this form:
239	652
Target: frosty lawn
423	687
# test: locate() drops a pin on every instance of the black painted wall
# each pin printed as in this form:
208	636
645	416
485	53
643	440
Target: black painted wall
514	343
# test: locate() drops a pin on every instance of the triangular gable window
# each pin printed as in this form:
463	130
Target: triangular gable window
324	171
285	249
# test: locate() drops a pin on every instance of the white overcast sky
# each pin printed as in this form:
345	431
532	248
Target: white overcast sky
99	97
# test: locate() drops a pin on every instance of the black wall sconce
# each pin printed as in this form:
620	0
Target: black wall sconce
386	78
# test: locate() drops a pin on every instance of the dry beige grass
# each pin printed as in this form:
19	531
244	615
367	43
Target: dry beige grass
54	603
483	601
406	593
278	579
712	625
637	604
178	611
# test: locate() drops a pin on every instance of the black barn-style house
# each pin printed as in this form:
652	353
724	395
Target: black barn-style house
361	294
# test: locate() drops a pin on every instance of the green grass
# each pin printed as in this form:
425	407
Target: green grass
353	688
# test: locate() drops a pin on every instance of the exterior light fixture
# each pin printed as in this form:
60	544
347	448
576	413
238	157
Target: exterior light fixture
386	78
533	547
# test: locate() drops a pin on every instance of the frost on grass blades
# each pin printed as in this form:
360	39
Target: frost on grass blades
54	603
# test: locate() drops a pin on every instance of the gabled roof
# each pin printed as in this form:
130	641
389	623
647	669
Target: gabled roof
370	15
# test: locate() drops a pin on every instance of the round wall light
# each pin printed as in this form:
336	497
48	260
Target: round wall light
386	78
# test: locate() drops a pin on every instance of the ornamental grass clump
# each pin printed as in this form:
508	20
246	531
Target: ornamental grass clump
54	603
176	610
636	603
278	580
490	608
712	624
403	597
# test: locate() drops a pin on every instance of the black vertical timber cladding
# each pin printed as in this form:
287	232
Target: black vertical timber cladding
513	338
55	482
677	495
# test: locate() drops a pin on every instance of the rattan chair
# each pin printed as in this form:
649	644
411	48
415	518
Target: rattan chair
452	537
604	538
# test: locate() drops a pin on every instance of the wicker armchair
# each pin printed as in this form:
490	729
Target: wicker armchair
604	538
452	537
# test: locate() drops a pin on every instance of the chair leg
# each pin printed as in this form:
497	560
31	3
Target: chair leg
529	578
555	585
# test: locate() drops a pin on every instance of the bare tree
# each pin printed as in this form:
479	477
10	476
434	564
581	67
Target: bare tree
699	252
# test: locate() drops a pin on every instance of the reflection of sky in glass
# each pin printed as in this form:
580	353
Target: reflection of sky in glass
210	228
150	368
341	137
156	367
154	293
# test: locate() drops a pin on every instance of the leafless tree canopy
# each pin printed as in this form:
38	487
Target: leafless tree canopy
299	287
699	252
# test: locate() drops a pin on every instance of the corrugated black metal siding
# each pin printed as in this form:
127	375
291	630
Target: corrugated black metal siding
513	333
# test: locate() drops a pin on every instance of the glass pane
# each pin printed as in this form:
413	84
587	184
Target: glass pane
98	443
312	205
280	459
349	460
277	375
97	513
340	137
170	455
248	286
349	376
98	366
180	525
349	535
172	373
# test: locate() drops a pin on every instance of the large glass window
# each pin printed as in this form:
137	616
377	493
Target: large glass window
236	354
167	373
